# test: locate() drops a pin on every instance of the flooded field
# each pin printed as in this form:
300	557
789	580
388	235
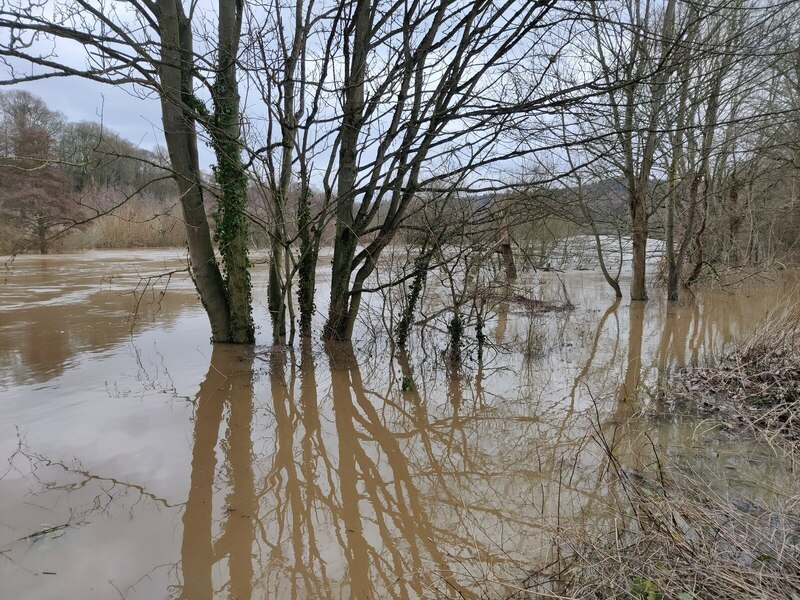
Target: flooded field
138	462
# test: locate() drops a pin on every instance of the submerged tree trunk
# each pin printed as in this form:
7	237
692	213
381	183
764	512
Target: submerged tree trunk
338	326
639	241
232	225
507	254
674	263
735	221
672	272
280	283
612	281
694	190
421	264
639	149
510	268
181	138
275	287
309	250
344	250
699	257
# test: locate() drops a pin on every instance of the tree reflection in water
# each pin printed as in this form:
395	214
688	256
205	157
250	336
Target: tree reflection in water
358	472
228	385
333	485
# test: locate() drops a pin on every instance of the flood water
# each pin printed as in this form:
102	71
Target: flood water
138	462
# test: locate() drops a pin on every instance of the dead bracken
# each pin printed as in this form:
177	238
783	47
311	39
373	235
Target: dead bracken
756	384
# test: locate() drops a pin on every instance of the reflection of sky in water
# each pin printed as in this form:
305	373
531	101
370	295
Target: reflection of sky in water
264	476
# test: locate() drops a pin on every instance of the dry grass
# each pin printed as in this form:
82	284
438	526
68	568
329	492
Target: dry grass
674	533
9	237
756	384
130	227
678	539
143	221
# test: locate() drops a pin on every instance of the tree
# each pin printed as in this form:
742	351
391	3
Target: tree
150	44
396	100
421	125
20	111
36	193
280	68
37	196
710	88
637	46
97	158
688	109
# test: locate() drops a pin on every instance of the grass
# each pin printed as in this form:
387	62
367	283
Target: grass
139	225
675	533
755	385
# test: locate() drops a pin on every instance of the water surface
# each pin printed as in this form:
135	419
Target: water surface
140	462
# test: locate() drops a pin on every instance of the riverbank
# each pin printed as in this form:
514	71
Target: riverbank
755	386
679	531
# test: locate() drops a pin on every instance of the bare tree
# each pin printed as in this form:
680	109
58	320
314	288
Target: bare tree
424	94
637	46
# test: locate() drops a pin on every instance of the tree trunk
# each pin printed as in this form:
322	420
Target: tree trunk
309	249
694	188
612	281
672	283
339	310
42	231
275	289
280	284
181	140
639	184
669	235
735	221
507	255
344	248
421	264
639	240
699	258
372	252
231	233
674	263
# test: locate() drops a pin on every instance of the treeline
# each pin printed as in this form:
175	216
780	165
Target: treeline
58	176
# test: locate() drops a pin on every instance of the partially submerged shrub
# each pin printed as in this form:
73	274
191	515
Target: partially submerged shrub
672	534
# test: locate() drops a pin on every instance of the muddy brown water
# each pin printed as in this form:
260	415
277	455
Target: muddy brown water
138	462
